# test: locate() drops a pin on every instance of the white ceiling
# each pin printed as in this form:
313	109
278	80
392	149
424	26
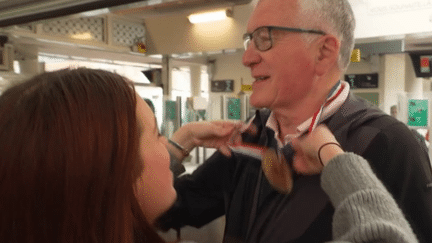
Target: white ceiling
387	18
377	20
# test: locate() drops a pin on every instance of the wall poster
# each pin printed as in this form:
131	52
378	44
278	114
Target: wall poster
418	112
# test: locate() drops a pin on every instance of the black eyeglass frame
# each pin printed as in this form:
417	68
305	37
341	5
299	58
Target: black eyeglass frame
247	37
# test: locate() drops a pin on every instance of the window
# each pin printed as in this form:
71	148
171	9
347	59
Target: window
204	82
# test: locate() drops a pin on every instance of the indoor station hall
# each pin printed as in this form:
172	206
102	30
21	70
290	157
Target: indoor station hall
190	69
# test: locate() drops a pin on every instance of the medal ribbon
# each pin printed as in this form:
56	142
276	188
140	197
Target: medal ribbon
256	151
333	94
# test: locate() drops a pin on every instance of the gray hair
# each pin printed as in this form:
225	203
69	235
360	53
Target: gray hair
334	17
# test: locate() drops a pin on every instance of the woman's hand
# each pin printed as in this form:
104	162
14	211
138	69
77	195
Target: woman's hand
215	134
307	160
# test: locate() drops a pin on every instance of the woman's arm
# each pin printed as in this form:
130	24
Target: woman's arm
364	210
215	134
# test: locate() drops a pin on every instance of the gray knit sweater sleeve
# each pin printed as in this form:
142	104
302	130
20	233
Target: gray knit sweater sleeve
364	210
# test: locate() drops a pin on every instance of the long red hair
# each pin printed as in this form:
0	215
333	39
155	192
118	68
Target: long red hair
69	159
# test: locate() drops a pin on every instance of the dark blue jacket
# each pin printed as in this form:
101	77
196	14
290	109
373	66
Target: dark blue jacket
255	212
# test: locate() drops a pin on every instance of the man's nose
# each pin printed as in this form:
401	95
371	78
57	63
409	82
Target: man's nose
251	56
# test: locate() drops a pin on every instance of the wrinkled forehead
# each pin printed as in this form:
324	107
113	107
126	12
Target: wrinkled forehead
274	12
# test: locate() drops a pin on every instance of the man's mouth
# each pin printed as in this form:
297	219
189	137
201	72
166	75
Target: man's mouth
261	78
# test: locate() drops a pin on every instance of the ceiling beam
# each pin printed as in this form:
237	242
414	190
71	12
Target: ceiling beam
31	11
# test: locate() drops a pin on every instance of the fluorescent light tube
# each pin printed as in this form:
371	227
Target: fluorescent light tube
207	17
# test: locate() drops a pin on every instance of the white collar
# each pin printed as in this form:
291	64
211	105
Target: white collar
332	104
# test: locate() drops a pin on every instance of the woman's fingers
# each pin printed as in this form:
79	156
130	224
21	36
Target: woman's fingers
225	150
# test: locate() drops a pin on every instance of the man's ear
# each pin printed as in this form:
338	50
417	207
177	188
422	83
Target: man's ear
327	54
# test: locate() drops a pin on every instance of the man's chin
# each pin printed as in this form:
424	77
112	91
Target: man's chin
256	102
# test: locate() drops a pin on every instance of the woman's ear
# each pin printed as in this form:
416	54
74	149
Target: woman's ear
327	54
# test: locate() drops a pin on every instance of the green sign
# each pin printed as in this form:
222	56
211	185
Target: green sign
170	110
202	113
234	108
418	113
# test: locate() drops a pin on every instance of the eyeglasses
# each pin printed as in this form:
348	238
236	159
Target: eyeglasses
262	36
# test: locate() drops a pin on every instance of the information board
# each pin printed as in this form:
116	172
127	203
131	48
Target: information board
362	81
222	85
422	63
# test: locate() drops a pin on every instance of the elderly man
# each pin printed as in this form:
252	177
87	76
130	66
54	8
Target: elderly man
297	50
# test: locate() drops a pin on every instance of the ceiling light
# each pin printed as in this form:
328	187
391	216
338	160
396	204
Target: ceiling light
95	12
209	16
82	36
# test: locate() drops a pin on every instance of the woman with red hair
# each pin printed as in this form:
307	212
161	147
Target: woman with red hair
81	161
